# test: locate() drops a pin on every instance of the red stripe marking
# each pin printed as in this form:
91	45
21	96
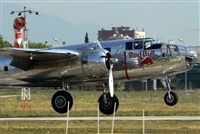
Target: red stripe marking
18	35
126	67
16	45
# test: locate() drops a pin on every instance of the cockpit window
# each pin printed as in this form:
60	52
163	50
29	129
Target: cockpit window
147	44
155	46
138	45
129	45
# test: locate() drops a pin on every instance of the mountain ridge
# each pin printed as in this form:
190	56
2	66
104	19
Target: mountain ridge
45	27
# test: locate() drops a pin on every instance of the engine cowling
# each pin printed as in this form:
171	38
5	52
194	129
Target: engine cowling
96	62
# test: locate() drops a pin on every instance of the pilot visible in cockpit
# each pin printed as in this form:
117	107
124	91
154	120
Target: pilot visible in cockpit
138	45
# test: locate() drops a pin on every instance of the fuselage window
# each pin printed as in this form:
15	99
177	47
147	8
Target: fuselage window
174	51
129	45
108	48
138	45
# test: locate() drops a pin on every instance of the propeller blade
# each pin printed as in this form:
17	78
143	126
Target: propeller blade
118	51
110	80
100	46
111	83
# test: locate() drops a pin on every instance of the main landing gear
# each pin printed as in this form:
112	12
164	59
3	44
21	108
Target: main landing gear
107	104
170	97
62	101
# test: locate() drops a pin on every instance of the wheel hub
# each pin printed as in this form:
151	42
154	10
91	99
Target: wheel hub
107	104
60	101
170	99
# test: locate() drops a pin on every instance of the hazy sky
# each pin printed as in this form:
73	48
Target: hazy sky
163	20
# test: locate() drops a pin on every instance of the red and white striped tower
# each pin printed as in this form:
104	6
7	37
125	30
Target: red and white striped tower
18	25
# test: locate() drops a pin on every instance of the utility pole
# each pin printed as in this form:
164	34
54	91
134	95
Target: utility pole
186	92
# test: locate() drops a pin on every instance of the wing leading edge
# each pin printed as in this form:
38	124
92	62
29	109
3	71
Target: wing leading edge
25	58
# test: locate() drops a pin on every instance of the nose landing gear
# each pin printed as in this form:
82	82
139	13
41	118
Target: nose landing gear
170	98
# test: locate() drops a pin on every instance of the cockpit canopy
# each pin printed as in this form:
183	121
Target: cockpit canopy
141	43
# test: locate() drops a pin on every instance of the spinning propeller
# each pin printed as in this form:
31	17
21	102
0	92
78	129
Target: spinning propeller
110	79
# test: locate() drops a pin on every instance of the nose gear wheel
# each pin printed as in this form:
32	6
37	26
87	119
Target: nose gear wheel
172	99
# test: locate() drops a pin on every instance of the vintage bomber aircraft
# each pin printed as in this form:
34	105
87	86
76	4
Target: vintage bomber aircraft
94	63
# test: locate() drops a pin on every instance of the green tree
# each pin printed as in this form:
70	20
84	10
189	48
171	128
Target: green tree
119	86
86	38
4	43
37	45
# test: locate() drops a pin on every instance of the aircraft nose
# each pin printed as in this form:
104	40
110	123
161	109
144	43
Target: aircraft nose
191	53
191	57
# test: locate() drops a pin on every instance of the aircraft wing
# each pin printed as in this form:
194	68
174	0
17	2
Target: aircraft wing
25	58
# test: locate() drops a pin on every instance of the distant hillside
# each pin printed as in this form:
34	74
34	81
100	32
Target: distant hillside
45	28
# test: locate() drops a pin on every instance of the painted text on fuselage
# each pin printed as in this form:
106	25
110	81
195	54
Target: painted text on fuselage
140	54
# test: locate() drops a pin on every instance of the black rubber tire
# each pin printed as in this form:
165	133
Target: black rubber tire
108	108
60	101
171	101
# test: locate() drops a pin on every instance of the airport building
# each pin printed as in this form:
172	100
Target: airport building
119	33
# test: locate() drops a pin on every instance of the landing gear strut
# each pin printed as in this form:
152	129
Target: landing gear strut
108	103
170	97
62	101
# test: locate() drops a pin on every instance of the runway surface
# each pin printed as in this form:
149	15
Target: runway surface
130	118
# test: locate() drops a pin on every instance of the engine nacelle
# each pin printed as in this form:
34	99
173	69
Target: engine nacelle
95	62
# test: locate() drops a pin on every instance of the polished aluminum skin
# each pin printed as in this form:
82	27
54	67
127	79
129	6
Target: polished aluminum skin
89	63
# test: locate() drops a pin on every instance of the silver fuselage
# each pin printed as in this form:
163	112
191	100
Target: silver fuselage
130	63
